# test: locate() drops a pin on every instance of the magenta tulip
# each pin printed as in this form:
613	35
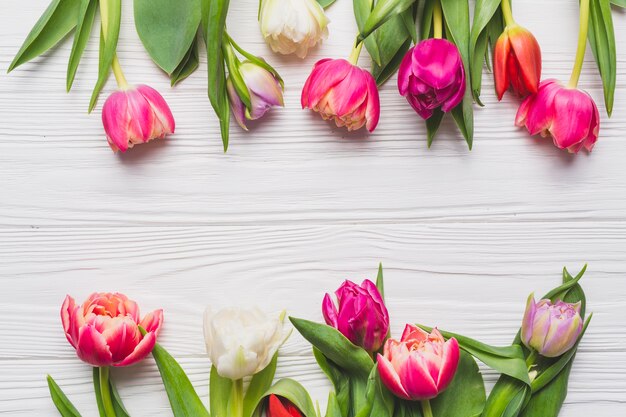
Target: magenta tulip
104	330
420	365
569	115
431	76
550	328
361	315
338	90
136	115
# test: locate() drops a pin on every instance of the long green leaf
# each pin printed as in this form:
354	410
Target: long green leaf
60	400
602	40
484	12
507	398
118	406
54	24
432	125
259	384
111	13
188	65
183	398
362	10
333	409
219	392
167	29
393	40
620	3
426	20
383	11
335	346
86	17
339	379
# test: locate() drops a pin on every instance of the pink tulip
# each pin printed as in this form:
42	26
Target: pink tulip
338	90
569	115
420	365
134	116
361	317
551	328
104	330
431	76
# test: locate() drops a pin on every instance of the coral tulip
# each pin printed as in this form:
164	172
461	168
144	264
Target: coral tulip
104	330
569	115
550	328
361	315
517	62
420	365
281	407
292	26
432	76
341	91
136	115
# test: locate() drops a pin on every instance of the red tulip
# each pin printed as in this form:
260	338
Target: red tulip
569	115
517	62
281	407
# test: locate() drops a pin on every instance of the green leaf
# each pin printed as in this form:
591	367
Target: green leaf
393	41
118	405
432	125
380	283
60	400
215	23
188	65
383	11
333	408
335	346
508	360
426	21
259	384
484	13
184	400
339	379
219	392
325	3
294	392
111	13
602	40
86	17
380	401
54	24
620	3
362	10
167	29
507	398
407	409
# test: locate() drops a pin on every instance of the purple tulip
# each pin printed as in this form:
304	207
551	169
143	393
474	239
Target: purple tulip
551	328
361	315
432	76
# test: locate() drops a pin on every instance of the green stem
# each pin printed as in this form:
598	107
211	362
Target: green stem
507	12
356	52
437	21
582	44
105	392
115	65
236	399
426	410
531	359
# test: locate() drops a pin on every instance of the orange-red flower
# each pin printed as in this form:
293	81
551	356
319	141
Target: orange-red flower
517	62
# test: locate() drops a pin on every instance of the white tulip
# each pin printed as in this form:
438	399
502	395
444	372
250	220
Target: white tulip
292	26
242	342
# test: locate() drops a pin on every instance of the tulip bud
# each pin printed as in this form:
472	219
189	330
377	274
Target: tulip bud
338	90
569	115
281	407
361	316
136	115
242	342
432	76
517	62
104	330
551	328
420	365
292	26
265	91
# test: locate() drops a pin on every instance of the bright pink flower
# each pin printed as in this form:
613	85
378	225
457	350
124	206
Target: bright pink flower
104	330
338	90
517	62
551	328
569	115
432	76
135	116
361	317
420	365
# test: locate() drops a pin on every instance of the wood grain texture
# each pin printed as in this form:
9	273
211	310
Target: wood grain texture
295	207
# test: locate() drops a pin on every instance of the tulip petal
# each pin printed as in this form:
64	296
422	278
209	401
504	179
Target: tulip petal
562	336
529	318
372	112
436	62
501	55
67	311
141	122
152	322
573	116
329	311
459	90
528	58
326	74
142	350
115	119
404	72
92	347
595	129
541	113
416	379
390	378
449	364
160	107
122	336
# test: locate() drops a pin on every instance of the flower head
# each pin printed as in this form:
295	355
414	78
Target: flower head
361	315
242	342
569	115
134	116
432	76
104	330
265	92
420	365
517	62
338	90
293	26
551	328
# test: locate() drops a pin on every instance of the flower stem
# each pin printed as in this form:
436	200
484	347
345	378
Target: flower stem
507	12
356	52
115	65
437	21
236	399
105	392
426	410
582	44
530	360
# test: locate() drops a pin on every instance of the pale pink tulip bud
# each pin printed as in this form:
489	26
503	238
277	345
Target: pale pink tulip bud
134	116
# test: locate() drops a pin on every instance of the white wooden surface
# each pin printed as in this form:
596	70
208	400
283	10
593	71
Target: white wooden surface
295	207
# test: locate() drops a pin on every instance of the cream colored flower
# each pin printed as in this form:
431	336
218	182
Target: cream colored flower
292	26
